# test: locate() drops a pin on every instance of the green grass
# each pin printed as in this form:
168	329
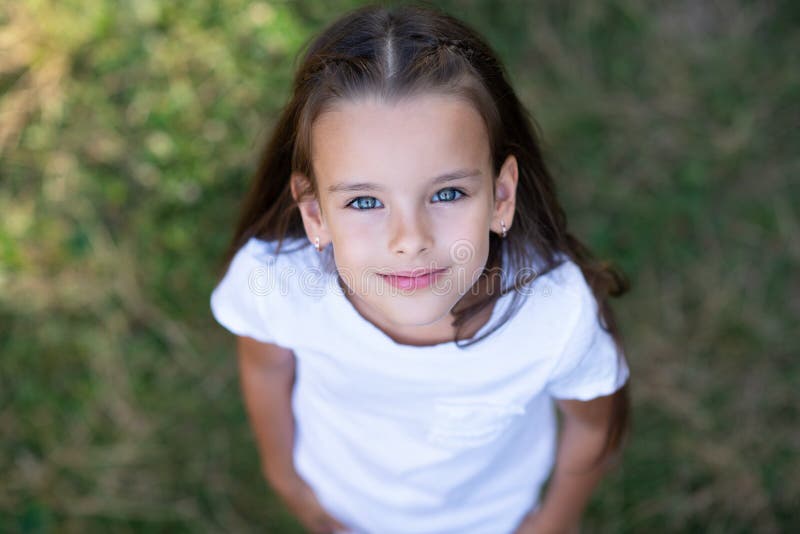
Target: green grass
127	137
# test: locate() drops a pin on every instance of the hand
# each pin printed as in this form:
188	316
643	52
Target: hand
301	500
538	523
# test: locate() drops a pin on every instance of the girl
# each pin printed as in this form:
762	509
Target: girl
402	374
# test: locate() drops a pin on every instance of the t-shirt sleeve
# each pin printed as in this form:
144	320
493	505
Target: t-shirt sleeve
589	365
238	302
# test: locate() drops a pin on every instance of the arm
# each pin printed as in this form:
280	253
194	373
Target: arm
266	373
575	474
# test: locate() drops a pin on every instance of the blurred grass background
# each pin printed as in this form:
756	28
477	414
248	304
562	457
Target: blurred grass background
128	131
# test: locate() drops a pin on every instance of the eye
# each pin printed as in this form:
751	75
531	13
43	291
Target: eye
450	194
363	203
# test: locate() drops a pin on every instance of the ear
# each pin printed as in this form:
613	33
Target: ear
310	210
505	194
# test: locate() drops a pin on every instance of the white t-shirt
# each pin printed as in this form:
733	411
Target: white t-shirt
397	438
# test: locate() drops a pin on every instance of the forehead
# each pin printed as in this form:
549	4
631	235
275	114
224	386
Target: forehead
409	139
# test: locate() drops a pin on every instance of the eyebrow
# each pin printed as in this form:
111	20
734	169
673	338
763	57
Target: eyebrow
368	186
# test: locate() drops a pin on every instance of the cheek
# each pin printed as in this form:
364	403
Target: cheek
358	224
470	223
353	244
356	236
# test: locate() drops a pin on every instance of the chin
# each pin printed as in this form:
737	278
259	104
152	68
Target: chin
415	312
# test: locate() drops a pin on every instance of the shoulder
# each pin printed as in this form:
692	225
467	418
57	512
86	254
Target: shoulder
270	251
263	288
563	289
280	270
559	308
260	271
587	362
292	252
577	299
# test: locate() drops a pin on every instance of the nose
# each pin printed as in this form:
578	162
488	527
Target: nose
410	233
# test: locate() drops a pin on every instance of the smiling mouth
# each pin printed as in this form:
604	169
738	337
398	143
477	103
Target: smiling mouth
416	273
422	279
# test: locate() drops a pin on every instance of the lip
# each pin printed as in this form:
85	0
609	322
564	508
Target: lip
416	279
413	273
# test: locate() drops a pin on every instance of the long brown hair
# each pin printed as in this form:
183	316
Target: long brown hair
397	51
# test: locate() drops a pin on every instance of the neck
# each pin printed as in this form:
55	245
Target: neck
441	331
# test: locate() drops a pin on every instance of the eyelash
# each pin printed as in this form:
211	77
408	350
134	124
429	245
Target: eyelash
462	193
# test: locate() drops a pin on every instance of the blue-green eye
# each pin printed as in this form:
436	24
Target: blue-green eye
361	204
451	194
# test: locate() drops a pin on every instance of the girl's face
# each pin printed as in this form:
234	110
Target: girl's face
407	186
